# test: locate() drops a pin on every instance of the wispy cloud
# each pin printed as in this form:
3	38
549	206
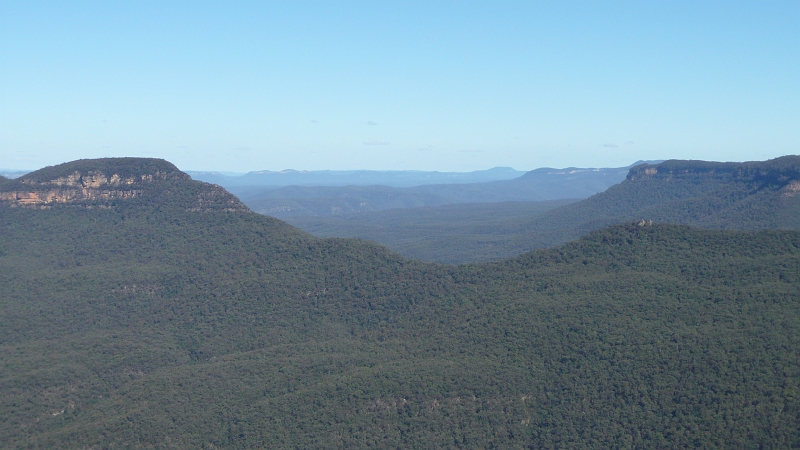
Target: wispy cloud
376	143
628	142
610	145
369	122
471	151
315	121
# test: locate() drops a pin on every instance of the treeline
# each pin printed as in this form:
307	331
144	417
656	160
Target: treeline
124	167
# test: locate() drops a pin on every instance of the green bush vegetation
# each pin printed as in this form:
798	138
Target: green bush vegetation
157	324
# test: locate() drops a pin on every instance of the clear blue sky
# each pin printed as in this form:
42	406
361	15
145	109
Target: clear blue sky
454	86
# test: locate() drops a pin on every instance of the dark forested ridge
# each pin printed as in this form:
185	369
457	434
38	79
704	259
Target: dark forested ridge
744	196
158	324
123	167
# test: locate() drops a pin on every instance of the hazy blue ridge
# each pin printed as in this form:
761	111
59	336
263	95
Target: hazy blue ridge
538	185
13	173
395	178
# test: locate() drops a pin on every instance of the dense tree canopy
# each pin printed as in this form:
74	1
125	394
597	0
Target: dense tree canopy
153	324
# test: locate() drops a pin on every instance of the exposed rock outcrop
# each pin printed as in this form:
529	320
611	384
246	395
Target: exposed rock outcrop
102	183
88	186
55	196
791	189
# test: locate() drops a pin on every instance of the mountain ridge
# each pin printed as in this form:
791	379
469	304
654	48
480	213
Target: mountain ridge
536	185
748	196
114	182
395	178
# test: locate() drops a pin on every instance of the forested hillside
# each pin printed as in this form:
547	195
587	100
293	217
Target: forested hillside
744	196
149	321
448	234
119	183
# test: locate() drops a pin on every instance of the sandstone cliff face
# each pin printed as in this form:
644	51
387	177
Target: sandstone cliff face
76	188
55	196
791	189
93	179
216	198
668	172
92	188
779	171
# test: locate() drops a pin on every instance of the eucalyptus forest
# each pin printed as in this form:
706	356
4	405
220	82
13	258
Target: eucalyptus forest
142	309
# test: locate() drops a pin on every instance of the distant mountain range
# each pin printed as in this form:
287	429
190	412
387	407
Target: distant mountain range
744	196
536	185
12	173
395	178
